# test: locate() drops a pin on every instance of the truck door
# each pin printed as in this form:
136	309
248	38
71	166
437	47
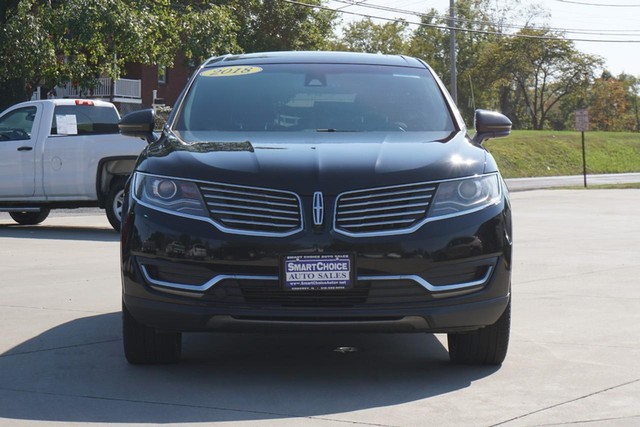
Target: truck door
18	137
79	133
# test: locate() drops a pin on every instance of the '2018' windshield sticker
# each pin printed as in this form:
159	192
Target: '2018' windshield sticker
238	70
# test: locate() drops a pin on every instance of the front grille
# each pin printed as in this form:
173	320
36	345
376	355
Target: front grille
383	210
253	210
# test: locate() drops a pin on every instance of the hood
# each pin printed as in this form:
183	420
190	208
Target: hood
308	162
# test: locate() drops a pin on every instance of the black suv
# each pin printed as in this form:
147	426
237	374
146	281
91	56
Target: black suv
316	191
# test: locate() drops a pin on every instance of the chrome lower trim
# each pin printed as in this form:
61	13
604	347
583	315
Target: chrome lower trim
435	289
205	286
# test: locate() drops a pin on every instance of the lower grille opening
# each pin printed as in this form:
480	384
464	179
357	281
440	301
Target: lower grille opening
272	293
318	319
459	273
177	273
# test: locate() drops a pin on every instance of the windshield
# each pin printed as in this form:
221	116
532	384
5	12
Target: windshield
313	97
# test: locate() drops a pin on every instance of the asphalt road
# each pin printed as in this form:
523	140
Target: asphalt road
538	183
573	360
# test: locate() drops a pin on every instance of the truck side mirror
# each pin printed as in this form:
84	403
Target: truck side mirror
139	124
489	124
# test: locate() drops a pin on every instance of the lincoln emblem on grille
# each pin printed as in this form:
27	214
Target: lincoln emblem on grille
318	208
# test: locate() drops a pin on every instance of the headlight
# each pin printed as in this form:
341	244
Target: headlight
168	194
463	196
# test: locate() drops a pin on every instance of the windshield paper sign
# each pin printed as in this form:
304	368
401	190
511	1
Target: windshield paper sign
317	272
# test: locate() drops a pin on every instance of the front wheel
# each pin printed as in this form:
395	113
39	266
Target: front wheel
144	345
30	218
486	346
115	201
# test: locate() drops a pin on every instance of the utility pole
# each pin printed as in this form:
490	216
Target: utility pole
452	50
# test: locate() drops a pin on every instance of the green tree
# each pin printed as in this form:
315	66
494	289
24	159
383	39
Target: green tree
27	49
542	67
206	29
49	42
477	22
367	36
274	25
632	88
609	109
98	37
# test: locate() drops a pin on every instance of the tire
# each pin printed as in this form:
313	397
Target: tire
115	200
486	346
144	345
30	218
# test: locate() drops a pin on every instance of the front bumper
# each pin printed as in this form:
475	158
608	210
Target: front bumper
450	275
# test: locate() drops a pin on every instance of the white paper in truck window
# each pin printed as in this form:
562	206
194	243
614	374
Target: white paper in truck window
66	124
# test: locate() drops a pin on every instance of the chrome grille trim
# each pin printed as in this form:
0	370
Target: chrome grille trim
259	223
359	218
373	202
253	210
437	290
413	205
220	226
379	223
383	211
221	190
162	285
396	193
235	199
284	218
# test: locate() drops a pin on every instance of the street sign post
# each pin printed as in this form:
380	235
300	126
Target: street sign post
582	125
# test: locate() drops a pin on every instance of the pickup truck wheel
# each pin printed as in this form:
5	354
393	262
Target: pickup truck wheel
30	218
486	346
115	200
144	345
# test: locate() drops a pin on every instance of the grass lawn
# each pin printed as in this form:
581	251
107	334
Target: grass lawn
552	153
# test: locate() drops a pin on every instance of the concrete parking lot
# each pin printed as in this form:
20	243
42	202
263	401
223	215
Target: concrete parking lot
574	356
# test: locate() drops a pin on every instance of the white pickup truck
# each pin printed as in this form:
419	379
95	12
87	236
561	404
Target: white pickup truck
63	153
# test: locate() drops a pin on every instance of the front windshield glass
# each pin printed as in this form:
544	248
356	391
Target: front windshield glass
313	98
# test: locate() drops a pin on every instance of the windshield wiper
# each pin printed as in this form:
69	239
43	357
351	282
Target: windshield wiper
335	130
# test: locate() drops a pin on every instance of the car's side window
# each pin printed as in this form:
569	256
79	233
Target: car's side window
17	124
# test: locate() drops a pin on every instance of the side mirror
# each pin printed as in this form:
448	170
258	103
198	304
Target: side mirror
139	124
489	124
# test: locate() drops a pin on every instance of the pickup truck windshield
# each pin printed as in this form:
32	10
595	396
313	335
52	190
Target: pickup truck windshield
313	97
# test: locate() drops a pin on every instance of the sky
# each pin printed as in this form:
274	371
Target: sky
605	20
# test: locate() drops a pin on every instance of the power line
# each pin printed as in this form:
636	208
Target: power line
352	3
466	30
597	4
620	33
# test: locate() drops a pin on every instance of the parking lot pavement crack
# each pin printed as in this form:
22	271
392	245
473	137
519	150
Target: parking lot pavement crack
75	310
63	347
576	344
594	420
595	393
584	273
192	406
584	296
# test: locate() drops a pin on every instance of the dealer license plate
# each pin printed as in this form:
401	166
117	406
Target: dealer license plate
318	272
